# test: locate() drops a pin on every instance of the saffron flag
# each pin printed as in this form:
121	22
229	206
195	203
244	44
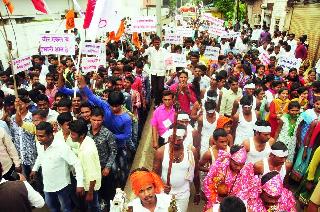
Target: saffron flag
120	31
40	5
70	20
9	5
112	36
135	40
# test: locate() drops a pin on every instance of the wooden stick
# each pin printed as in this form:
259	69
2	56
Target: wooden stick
10	57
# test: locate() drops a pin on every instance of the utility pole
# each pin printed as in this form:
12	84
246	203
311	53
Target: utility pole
158	13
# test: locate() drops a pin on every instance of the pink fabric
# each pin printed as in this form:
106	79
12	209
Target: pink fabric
159	116
240	185
51	95
274	187
89	13
183	97
40	6
240	156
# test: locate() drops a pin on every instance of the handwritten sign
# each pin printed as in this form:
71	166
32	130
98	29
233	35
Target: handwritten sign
21	64
265	58
90	48
144	24
231	35
288	62
217	30
89	64
185	32
212	53
213	20
173	38
62	44
176	60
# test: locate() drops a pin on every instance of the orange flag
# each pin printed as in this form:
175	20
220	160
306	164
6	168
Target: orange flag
111	35
9	5
70	20
120	31
135	40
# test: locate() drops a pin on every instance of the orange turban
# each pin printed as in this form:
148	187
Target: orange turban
222	120
140	179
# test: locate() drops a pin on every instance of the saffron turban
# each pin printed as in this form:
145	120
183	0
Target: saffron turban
140	179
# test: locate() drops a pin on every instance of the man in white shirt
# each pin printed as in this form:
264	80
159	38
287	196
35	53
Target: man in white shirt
55	160
18	195
156	57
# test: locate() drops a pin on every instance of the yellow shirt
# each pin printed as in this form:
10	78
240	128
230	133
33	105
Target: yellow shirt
89	159
314	164
227	100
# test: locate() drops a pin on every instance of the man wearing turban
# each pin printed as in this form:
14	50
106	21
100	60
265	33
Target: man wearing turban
148	187
270	195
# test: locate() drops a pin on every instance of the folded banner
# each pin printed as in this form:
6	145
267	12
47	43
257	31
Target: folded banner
9	5
40	5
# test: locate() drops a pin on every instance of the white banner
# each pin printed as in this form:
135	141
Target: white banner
213	20
217	30
265	58
103	21
21	64
89	64
90	48
144	24
61	44
184	32
173	39
212	53
289	62
231	35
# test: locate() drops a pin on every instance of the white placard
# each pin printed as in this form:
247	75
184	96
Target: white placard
217	30
213	20
90	48
144	24
318	66
265	58
176	60
231	35
179	60
289	62
212	53
61	44
21	64
173	39
185	32
89	64
178	17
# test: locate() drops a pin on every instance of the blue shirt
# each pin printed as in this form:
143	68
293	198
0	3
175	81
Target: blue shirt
119	125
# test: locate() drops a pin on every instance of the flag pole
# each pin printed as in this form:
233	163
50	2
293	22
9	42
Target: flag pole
10	56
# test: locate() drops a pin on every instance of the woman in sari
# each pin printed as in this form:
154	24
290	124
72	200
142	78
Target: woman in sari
307	122
278	107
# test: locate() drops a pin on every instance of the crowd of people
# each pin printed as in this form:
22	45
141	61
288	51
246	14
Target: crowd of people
244	132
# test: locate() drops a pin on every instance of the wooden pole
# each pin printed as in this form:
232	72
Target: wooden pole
10	56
